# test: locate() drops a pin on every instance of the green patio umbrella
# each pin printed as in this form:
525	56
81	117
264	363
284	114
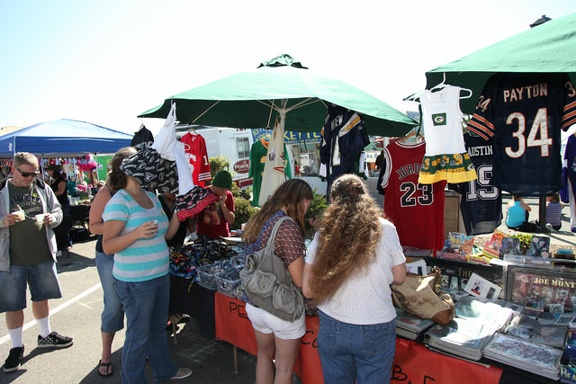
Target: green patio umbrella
280	88
549	47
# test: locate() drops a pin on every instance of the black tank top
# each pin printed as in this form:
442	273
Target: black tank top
62	199
99	247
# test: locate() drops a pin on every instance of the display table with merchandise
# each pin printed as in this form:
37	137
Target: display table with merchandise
187	297
413	362
192	287
221	314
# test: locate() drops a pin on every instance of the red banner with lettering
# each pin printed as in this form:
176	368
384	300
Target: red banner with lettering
307	365
413	362
233	324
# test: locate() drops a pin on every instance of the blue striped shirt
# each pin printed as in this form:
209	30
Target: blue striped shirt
554	214
145	259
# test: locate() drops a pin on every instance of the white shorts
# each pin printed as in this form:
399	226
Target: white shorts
267	323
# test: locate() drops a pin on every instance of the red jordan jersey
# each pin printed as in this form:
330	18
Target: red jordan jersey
417	210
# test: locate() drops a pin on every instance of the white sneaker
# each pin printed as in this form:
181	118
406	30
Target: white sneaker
182	374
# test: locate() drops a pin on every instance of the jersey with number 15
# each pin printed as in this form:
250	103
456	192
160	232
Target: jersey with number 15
523	114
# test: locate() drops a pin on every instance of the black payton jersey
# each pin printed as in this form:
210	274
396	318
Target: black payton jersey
522	113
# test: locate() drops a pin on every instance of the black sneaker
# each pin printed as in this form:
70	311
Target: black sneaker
14	359
54	340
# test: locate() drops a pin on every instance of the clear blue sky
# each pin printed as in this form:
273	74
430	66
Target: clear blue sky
106	61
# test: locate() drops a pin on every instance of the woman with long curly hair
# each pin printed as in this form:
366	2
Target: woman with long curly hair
276	338
350	264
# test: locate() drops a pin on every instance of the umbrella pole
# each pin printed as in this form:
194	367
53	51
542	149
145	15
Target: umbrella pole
542	215
282	113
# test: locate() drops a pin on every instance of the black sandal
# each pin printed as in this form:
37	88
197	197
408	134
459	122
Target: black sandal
108	366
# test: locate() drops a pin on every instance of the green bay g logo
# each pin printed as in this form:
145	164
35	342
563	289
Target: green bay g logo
439	118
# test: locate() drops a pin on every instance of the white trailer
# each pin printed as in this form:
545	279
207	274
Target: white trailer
232	143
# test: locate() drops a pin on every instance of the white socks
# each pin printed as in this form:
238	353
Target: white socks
16	337
16	333
44	326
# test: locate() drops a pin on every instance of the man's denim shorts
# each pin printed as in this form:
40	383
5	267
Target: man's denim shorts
42	280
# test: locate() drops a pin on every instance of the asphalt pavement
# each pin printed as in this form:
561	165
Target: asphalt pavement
564	238
77	314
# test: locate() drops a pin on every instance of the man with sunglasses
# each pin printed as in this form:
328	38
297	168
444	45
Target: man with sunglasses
28	255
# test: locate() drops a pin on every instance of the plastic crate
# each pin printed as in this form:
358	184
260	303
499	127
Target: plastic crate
228	287
206	279
238	262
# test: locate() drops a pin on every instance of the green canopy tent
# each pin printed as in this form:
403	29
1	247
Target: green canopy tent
280	88
548	47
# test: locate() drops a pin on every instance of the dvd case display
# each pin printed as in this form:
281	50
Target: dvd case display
510	246
539	246
493	246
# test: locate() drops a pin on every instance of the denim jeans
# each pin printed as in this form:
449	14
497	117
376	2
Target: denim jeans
112	315
146	307
349	352
42	279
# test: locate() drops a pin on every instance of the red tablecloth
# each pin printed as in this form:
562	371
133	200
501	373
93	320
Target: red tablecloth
413	362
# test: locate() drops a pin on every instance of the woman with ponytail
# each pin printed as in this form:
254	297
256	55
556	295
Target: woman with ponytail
112	314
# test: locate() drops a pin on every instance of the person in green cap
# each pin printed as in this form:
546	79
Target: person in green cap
215	219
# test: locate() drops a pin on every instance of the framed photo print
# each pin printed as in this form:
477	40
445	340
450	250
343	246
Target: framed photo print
542	289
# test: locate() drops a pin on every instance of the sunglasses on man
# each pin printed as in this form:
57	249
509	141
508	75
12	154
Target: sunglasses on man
28	174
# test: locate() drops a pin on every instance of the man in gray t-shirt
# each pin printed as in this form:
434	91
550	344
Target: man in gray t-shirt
29	211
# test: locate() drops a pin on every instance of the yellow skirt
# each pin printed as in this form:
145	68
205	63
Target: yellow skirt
456	168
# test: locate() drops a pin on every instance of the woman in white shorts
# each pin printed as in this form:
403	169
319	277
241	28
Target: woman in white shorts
278	340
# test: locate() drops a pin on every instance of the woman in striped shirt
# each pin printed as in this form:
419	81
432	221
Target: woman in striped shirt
135	229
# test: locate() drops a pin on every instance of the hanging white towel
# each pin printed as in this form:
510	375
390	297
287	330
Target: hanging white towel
185	169
165	140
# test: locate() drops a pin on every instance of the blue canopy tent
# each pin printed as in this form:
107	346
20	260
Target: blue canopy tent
63	137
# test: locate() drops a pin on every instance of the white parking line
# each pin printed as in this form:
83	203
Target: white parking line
56	310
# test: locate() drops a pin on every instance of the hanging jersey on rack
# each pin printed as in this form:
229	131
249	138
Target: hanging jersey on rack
195	148
446	158
523	114
343	139
481	203
276	165
568	190
417	210
257	163
142	139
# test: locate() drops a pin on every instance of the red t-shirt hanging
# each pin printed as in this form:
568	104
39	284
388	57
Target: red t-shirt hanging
195	148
